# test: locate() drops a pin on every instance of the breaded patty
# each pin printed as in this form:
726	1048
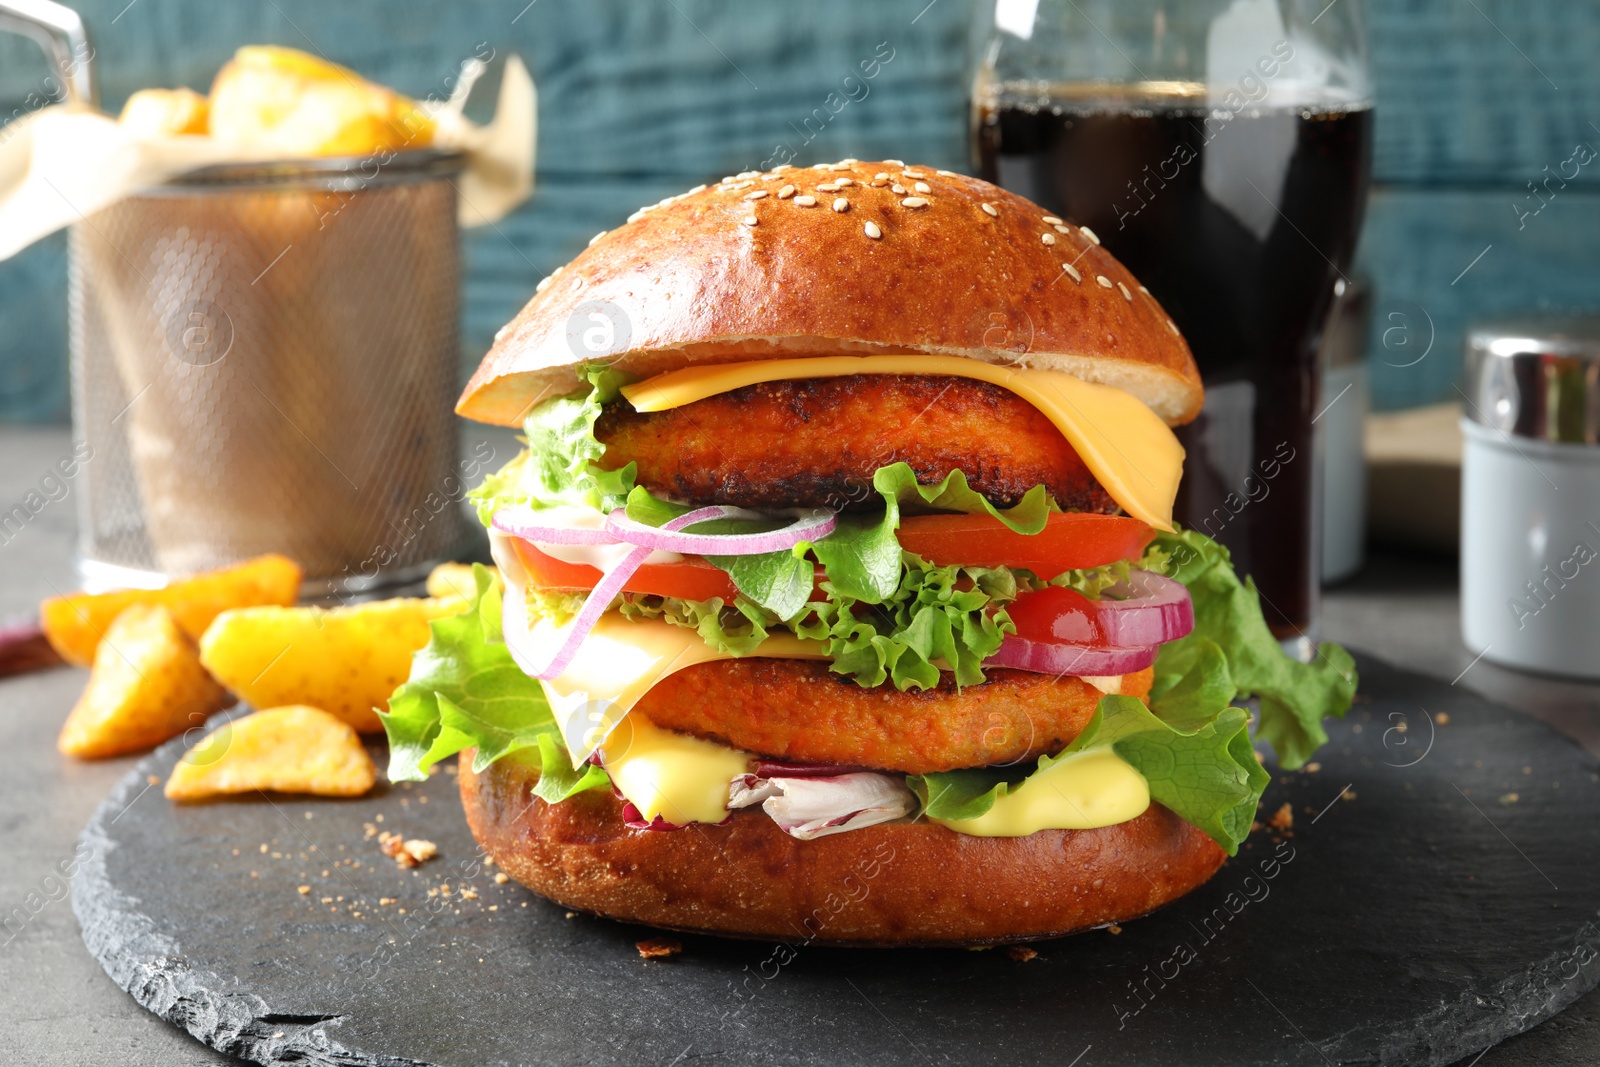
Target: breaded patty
799	710
817	442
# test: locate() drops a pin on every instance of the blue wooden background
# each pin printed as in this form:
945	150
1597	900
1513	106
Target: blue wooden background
641	98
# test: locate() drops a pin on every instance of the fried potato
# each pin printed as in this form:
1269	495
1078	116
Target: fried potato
455	580
74	624
165	111
147	686
281	101
295	749
344	660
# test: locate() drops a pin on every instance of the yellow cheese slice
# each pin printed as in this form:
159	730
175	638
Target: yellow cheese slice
616	665
681	778
1125	445
1084	791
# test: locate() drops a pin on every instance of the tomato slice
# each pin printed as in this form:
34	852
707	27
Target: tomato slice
1058	616
691	579
1069	541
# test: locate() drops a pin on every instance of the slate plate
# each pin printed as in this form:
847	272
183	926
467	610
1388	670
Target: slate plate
1446	902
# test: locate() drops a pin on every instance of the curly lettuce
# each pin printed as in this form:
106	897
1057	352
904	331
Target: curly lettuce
465	691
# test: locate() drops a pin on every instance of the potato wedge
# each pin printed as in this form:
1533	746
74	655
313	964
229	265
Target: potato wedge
285	102
344	660
455	579
295	749
147	686
75	623
158	112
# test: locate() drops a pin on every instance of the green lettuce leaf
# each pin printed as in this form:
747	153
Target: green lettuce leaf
1201	766
465	691
561	463
1295	697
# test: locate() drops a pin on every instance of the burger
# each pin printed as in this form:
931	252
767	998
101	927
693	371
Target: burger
838	597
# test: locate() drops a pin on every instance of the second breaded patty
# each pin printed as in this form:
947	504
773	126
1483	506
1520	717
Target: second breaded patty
799	710
816	443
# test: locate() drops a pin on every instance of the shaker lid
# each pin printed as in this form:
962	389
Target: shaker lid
1536	376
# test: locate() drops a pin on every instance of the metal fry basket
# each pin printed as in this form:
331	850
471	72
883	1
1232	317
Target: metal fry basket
264	359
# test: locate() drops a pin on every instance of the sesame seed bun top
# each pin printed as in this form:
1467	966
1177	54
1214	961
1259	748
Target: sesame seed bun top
847	258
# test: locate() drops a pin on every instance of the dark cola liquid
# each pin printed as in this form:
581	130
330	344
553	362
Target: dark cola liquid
1239	223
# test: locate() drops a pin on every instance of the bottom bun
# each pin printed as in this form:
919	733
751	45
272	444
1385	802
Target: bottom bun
911	883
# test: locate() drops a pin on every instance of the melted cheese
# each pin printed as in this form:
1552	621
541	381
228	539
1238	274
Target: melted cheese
1125	445
681	778
1081	792
616	665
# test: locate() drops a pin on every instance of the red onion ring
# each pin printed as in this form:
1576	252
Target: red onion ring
606	590
524	522
1049	657
808	526
1157	609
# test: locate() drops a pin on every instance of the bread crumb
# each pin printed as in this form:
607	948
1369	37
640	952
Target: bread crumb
1113	929
1313	767
418	852
500	878
1282	819
1021	953
658	948
469	894
152	780
263	849
1443	718
1509	799
305	890
327	900
570	914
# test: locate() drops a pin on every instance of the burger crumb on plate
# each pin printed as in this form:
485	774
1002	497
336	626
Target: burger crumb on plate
656	948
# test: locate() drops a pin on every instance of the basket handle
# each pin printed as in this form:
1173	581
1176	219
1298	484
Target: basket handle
60	31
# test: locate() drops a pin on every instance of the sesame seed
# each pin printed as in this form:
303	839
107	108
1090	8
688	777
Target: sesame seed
743	174
840	183
806	201
757	195
1103	280
1048	238
1143	290
872	231
786	192
840	166
1052	220
913	201
553	273
912	174
750	220
637	215
821	166
740	185
697	189
896	162
1063	229
897	190
989	208
947	174
597	237
881	176
878	183
664	201
826	187
1090	234
1172	326
1125	294
849	161
923	187
577	283
727	178
781	167
544	283
841	205
1072	272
